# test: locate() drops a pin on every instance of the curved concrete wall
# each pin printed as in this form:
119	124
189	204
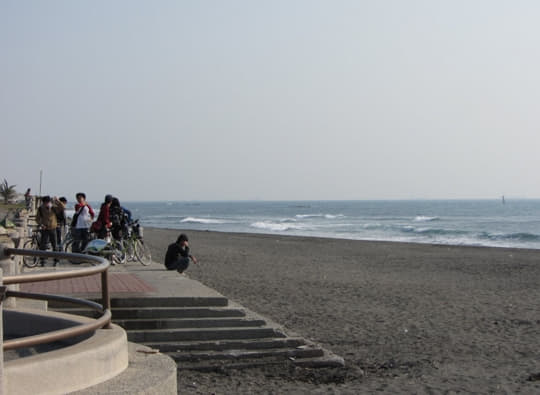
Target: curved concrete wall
85	363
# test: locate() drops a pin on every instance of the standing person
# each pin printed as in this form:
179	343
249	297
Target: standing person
85	215
46	219
178	256
119	219
103	222
127	214
28	199
59	207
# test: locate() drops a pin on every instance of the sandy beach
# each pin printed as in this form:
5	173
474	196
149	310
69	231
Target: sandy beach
407	318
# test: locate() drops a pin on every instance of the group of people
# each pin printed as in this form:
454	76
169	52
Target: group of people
113	218
51	219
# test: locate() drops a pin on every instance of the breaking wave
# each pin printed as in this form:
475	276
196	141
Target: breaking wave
277	226
194	220
327	216
423	218
520	236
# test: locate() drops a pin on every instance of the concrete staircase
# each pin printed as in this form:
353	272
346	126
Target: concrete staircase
210	334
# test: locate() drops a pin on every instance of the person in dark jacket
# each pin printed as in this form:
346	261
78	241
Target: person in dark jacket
119	220
46	219
103	222
178	255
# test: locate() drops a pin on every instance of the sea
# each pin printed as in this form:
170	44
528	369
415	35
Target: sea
494	223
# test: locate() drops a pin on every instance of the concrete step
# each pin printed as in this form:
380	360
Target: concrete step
183	334
226	344
169	323
248	363
175	312
170	302
239	354
212	337
161	312
156	302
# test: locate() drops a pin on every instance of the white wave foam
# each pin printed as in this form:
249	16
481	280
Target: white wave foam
308	215
194	220
276	227
327	216
424	218
332	216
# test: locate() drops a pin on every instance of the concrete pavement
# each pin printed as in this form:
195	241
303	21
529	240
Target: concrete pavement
126	280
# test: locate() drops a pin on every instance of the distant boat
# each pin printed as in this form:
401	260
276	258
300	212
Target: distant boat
503	201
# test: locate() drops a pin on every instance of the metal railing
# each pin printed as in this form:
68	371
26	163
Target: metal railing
101	266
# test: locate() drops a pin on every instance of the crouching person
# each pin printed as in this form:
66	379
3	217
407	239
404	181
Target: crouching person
178	256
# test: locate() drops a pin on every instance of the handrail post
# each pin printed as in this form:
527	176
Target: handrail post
106	300
2	384
8	266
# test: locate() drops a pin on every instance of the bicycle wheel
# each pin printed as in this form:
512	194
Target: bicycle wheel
142	252
67	242
119	253
68	247
31	261
129	245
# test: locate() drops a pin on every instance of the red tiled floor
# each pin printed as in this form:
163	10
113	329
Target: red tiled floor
118	282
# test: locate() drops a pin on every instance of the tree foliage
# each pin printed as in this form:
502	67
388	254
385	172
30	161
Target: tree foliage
7	191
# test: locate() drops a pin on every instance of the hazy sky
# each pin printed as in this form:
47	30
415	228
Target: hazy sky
212	100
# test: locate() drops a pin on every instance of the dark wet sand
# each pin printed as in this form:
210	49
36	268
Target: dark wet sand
407	318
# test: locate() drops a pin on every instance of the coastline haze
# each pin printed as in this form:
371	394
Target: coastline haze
284	100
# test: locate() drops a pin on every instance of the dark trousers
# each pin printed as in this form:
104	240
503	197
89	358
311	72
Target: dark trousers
179	265
59	236
80	239
48	235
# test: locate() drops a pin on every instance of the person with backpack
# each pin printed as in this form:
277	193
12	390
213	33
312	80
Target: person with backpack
82	219
46	219
119	219
103	222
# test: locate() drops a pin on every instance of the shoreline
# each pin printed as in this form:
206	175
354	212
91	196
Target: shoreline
406	317
278	235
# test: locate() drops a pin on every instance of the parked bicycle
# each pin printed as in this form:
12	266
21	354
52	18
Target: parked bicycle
67	239
133	245
111	250
33	243
67	243
136	244
129	248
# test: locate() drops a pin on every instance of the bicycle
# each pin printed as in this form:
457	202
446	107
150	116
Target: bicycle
133	245
66	241
33	243
111	250
142	252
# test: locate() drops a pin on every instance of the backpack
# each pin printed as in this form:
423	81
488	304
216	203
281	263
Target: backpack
116	216
75	217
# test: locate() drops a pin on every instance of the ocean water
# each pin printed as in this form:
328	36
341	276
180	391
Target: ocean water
454	222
